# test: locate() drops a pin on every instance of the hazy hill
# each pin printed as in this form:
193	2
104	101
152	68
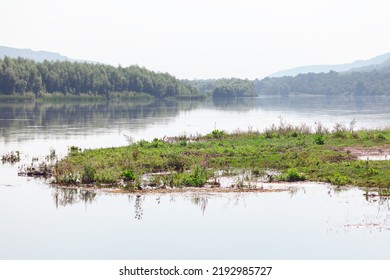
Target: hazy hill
358	65
38	56
378	67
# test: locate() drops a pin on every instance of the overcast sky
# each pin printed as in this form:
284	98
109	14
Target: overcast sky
201	38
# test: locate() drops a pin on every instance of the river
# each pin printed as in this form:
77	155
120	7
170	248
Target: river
309	221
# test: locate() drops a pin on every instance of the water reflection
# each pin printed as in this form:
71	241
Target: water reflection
23	121
138	210
200	201
19	119
69	196
235	104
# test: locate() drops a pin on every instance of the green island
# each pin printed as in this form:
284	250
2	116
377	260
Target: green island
281	153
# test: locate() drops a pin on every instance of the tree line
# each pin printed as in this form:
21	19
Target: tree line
332	83
224	87
19	76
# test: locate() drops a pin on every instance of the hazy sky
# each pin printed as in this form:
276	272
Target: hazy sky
199	38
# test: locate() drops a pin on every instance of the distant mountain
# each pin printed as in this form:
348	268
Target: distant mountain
38	56
384	66
358	65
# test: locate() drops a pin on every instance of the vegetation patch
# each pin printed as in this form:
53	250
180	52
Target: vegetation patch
295	152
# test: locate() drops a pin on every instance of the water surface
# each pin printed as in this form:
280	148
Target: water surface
313	222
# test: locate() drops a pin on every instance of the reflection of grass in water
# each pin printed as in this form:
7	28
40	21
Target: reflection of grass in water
200	201
70	196
11	157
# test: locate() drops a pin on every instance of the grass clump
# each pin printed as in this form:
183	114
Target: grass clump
218	134
340	180
292	175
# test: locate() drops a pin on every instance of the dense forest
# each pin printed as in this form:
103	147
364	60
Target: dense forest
332	83
224	87
19	76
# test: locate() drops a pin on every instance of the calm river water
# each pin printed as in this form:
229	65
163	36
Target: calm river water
311	221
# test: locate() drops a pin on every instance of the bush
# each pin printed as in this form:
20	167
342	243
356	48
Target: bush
216	133
129	175
177	162
197	178
319	139
292	175
88	174
340	180
74	150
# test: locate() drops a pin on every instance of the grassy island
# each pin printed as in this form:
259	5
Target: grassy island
280	153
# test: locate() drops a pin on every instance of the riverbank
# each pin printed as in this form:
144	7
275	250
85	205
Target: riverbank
112	96
280	153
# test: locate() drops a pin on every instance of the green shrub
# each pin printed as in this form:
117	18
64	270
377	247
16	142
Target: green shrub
88	174
74	150
372	171
340	180
197	178
177	162
216	133
292	175
128	175
319	139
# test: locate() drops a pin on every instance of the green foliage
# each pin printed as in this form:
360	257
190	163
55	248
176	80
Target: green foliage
20	76
340	180
216	133
319	139
233	88
88	175
74	150
135	153
372	171
292	175
129	175
197	178
330	84
384	191
297	158
177	162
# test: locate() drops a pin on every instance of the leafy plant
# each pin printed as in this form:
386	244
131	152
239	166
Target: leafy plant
74	150
216	133
340	180
197	178
129	175
292	175
88	175
319	139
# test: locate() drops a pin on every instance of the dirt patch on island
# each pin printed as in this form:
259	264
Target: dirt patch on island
369	152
